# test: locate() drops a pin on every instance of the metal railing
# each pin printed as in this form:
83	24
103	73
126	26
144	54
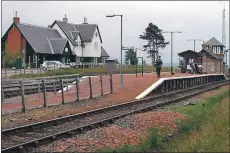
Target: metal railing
32	93
87	65
9	72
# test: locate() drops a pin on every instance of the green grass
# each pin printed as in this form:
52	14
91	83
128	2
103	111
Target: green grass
79	71
206	129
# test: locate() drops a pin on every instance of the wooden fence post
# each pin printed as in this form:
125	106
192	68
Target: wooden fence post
62	91
77	88
111	83
2	96
101	86
23	96
44	92
90	88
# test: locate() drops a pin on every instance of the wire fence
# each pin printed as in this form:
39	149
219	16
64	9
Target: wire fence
21	95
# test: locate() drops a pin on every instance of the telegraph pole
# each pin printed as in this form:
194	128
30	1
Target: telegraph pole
172	47
194	40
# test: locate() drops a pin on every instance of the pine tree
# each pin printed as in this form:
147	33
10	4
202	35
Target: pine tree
155	40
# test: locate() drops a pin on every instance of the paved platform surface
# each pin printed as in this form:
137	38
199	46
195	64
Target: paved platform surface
132	86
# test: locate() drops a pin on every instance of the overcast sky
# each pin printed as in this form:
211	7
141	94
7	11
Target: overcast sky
196	20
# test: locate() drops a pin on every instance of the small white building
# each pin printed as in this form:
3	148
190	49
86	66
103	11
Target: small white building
84	39
61	41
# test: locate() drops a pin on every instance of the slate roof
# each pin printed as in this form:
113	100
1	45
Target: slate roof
188	51
214	42
74	34
67	28
37	37
86	30
104	53
57	45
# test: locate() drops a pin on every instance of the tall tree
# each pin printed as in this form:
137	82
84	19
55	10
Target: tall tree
153	35
130	57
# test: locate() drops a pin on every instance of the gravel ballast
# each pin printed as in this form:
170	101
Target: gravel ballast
125	131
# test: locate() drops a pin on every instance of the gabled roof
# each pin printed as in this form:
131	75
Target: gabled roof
104	53
86	30
188	52
74	34
37	37
57	45
214	42
66	28
210	54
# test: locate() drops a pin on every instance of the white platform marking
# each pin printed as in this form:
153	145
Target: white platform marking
156	84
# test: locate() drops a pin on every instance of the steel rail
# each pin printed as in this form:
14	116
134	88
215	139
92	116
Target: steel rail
36	142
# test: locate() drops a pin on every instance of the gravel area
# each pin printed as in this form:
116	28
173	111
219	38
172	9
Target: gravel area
7	140
135	129
129	130
128	93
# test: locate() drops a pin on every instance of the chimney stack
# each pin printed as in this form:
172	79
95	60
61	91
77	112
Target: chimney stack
65	19
85	20
16	19
203	45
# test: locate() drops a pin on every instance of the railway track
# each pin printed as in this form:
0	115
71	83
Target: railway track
23	138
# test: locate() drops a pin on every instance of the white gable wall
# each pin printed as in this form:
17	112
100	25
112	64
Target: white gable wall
56	26
78	50
91	49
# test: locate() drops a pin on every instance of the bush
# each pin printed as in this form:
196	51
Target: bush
10	59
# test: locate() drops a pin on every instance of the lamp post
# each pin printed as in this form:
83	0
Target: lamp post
172	47
194	40
121	77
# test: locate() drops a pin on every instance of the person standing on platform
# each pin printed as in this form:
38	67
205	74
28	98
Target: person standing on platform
158	66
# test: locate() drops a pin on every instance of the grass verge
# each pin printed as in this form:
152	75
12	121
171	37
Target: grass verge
206	129
79	71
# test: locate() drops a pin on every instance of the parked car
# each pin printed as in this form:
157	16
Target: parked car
52	65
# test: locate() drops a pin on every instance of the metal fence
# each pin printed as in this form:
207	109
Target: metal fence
21	95
8	72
